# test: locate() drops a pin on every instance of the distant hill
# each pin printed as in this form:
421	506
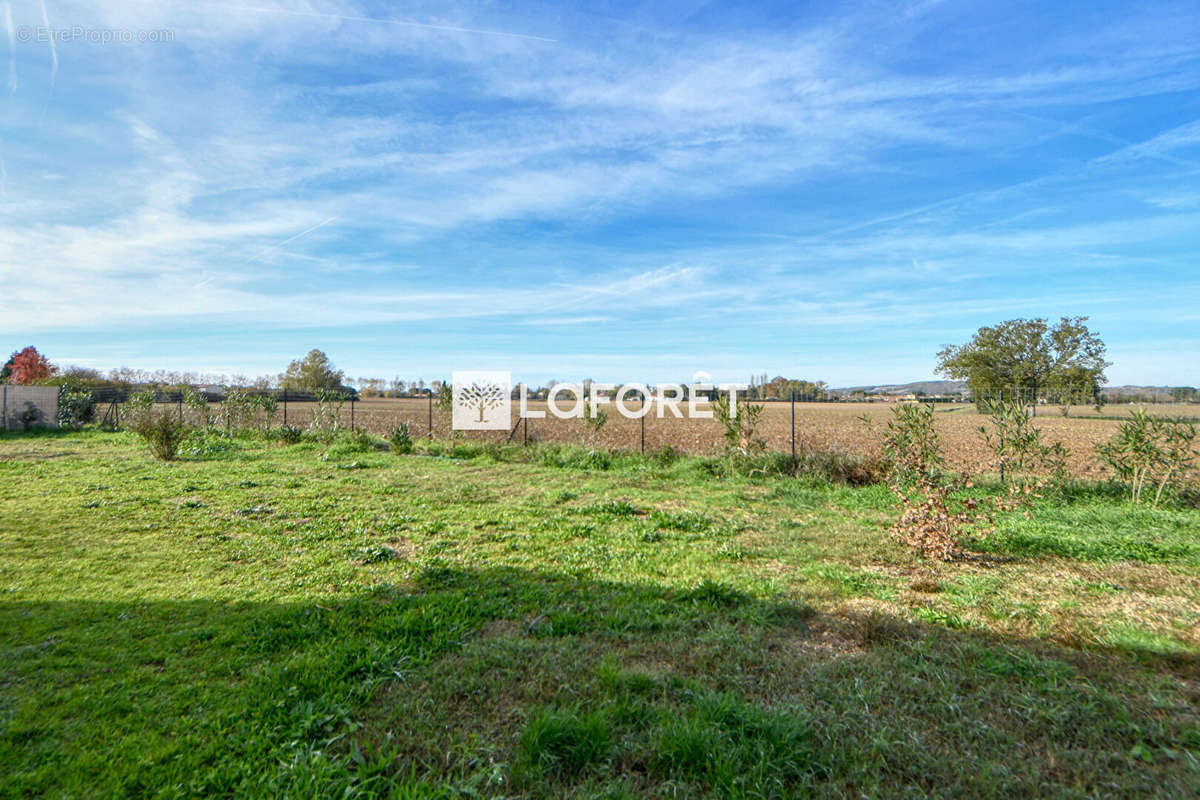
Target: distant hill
927	387
1160	393
1156	392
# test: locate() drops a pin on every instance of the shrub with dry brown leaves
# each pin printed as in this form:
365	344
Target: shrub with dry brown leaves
940	515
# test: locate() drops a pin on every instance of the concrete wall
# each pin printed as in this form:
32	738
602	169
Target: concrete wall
12	405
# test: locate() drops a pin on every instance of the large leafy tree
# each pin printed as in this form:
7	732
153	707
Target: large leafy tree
28	366
312	372
1184	394
1028	354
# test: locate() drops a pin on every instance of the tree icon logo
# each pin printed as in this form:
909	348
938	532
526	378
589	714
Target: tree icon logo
482	400
483	396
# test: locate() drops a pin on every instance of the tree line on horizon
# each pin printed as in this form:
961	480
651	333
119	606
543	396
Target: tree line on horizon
1029	356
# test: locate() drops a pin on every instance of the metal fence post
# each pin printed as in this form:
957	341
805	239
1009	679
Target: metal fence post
793	423
642	420
285	406
431	415
352	401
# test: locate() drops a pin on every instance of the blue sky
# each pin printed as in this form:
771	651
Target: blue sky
623	192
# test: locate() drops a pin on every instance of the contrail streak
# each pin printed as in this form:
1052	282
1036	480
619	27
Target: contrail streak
1096	133
382	21
275	247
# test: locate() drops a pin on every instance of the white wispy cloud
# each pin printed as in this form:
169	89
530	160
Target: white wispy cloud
373	21
277	154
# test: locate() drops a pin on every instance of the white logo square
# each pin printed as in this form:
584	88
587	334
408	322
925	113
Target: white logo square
482	400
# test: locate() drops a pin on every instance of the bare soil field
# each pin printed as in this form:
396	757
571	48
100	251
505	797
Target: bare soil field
825	426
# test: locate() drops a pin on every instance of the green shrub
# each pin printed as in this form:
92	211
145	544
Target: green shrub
138	403
443	403
162	429
740	426
910	444
939	515
1017	444
666	455
327	414
1150	451
237	410
465	450
566	456
830	466
349	442
836	466
400	438
594	420
269	405
502	452
197	403
289	434
205	443
76	407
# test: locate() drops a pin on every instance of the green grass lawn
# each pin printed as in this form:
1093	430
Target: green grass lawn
260	620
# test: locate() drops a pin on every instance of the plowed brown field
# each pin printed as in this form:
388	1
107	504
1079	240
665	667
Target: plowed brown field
818	425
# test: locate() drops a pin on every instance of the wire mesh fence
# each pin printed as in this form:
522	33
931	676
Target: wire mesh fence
788	424
808	423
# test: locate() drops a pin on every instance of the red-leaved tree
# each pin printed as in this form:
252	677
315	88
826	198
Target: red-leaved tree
29	366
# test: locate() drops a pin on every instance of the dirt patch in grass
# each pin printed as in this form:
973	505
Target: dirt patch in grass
824	638
402	548
501	628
